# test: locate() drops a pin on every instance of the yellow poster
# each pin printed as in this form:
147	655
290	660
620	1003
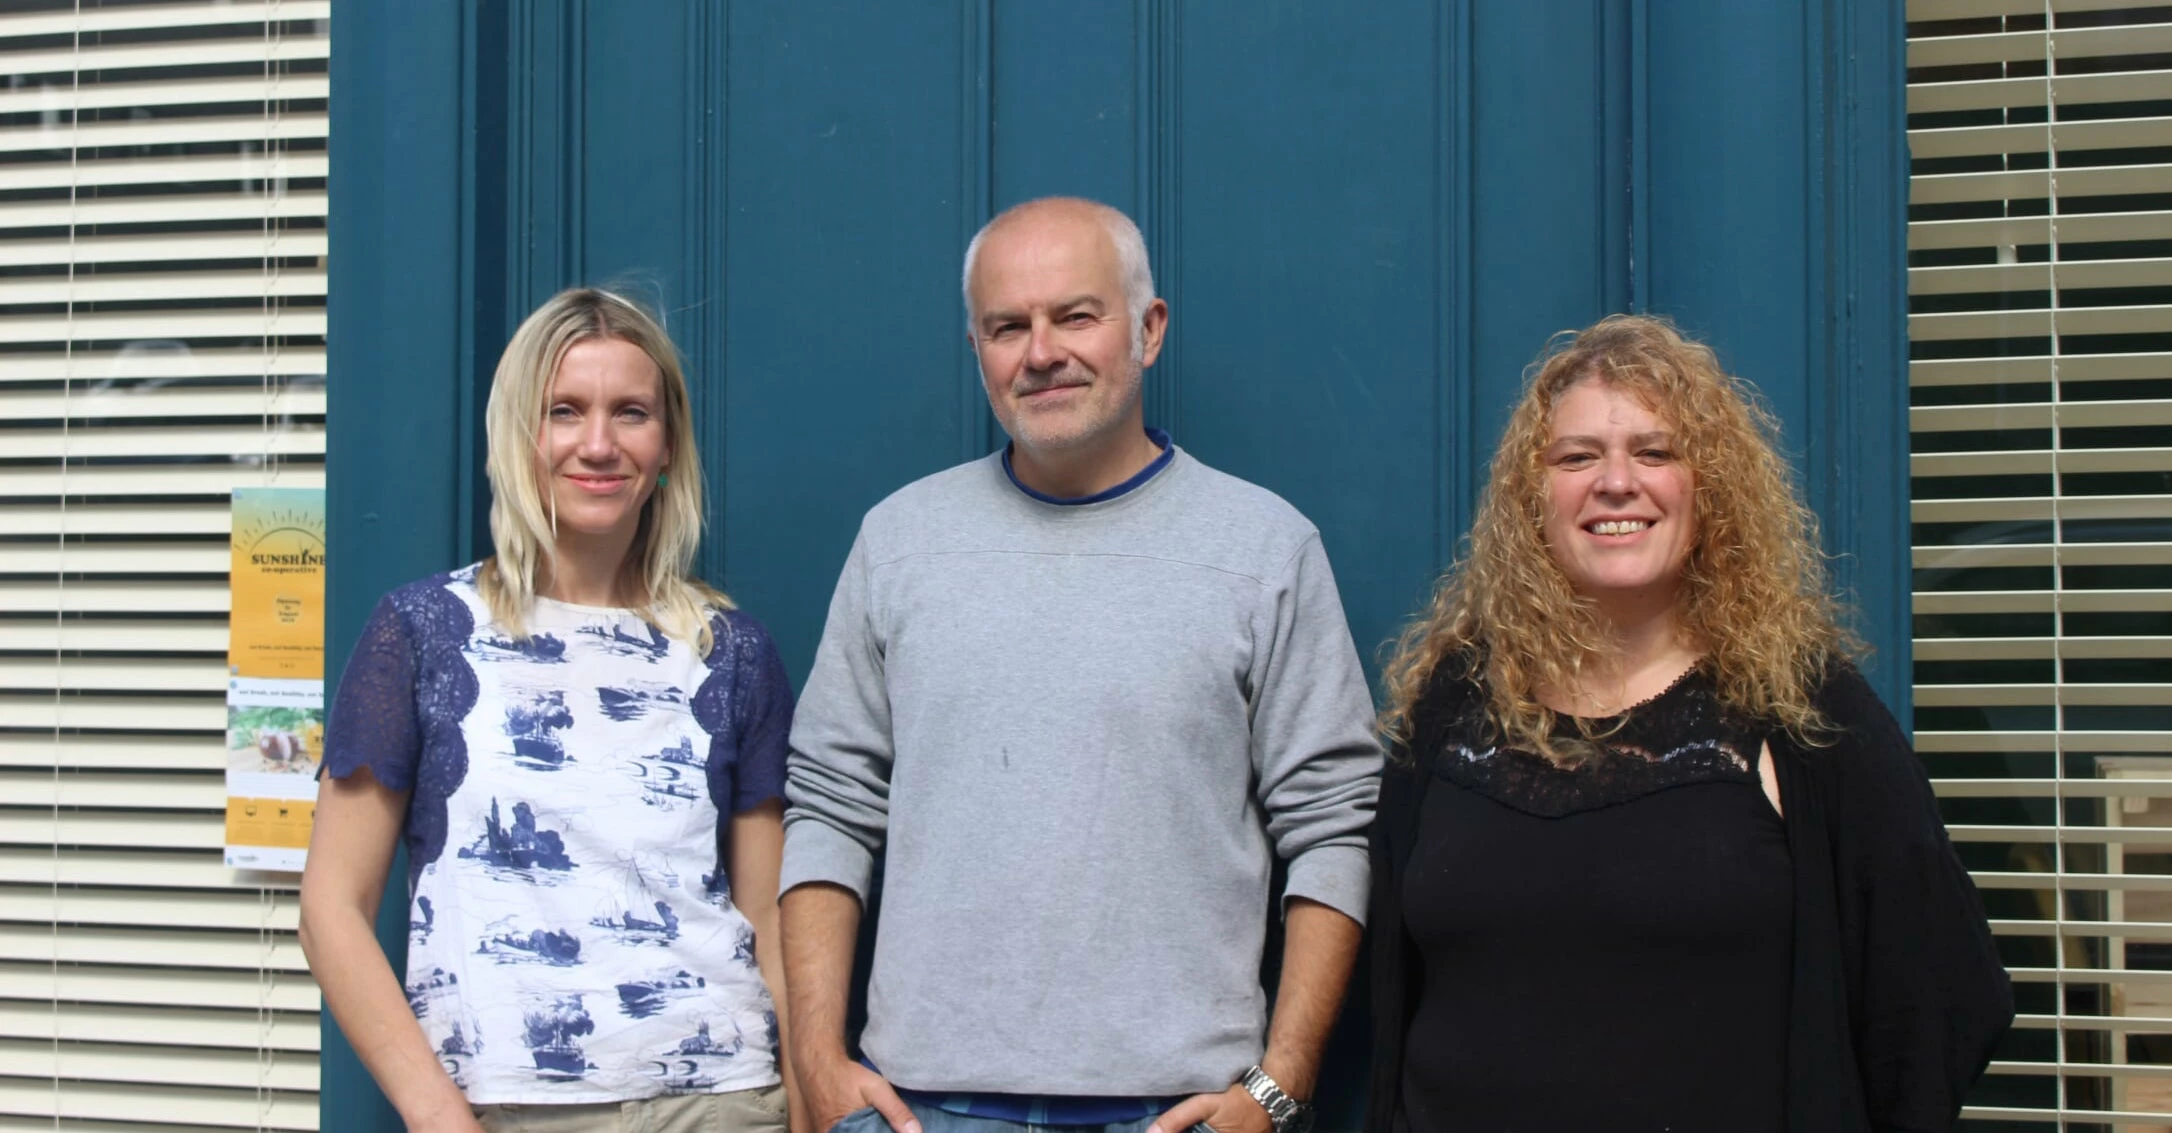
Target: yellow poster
275	676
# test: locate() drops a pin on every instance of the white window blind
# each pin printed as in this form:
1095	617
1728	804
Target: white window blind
162	279
2040	291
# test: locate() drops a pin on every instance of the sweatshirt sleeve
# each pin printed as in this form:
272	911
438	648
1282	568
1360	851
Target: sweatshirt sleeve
1313	745
837	777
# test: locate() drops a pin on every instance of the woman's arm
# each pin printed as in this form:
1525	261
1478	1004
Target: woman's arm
350	850
756	852
1932	996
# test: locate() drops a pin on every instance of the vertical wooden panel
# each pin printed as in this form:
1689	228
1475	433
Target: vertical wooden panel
396	380
1730	179
1547	184
629	154
1308	306
851	201
1065	103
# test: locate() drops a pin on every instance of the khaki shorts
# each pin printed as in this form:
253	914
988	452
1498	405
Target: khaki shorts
760	1110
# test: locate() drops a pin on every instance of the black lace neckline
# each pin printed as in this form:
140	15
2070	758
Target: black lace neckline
1566	724
1680	736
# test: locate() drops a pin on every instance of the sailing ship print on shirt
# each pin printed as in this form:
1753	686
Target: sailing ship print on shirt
641	640
628	928
552	1034
632	700
640	999
457	1055
542	648
519	850
507	943
698	1061
534	721
670	778
432	986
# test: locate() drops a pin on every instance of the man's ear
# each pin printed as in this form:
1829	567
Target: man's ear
1153	326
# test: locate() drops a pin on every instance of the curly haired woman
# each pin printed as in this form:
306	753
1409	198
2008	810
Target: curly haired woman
1651	854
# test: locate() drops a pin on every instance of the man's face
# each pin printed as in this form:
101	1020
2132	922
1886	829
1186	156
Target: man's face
1055	341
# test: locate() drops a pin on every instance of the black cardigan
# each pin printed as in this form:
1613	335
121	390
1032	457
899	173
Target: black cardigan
1897	995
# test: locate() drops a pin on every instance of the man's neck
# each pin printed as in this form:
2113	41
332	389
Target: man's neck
1084	472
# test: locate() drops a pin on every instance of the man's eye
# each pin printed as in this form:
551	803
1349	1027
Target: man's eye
1079	318
1006	330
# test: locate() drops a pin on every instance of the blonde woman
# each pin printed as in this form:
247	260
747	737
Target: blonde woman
582	749
1651	854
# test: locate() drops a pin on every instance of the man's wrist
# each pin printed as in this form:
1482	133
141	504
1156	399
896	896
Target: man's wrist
815	1056
1288	1113
1296	1078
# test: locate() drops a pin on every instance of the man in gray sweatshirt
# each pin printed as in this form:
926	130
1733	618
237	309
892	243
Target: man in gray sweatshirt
1084	690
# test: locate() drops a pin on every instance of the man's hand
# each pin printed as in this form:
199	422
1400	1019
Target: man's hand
839	1087
1231	1111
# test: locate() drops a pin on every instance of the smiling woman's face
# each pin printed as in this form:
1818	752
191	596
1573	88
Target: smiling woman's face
1620	504
602	436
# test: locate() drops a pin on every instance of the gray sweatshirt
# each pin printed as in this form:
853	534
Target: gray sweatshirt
1082	730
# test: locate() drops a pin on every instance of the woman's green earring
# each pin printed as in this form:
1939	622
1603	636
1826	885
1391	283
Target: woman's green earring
662	479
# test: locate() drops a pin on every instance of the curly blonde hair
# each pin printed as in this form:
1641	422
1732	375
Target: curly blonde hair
1754	597
523	518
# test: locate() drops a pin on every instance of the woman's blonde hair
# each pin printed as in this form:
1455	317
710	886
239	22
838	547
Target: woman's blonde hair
1753	599
523	514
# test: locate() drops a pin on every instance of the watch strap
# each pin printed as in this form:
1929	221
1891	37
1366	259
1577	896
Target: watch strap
1287	1113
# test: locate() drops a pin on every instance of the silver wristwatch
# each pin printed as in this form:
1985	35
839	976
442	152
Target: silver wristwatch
1288	1114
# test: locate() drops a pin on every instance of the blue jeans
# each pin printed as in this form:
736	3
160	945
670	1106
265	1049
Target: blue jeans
935	1120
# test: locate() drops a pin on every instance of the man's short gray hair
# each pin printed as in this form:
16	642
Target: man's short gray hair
1132	266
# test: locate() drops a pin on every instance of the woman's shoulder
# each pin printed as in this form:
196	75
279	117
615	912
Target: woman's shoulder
1854	713
431	607
1446	699
1456	682
1862	754
738	639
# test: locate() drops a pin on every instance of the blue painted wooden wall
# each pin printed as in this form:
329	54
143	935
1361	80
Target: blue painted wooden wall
1366	218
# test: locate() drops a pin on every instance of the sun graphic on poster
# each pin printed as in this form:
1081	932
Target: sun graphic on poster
277	584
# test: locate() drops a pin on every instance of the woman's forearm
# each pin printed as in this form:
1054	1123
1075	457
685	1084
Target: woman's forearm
350	851
756	855
769	957
372	1011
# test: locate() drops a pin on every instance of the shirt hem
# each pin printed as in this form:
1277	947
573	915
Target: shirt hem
612	1099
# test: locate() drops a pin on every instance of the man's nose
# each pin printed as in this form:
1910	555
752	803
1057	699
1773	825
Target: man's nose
1042	353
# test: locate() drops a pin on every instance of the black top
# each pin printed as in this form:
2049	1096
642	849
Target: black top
1895	991
1604	946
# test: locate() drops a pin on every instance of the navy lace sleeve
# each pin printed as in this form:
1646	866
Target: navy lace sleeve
406	688
373	723
745	704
